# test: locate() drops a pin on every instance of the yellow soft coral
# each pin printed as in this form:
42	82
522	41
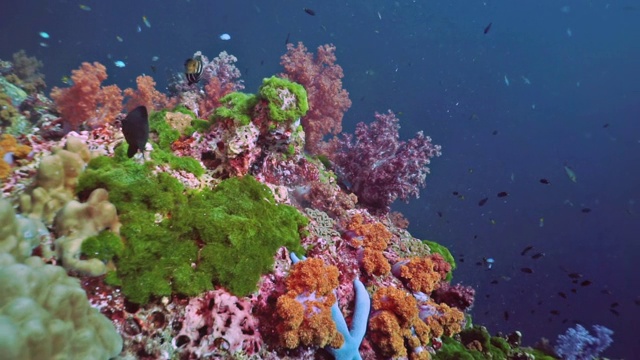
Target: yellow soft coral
305	309
9	144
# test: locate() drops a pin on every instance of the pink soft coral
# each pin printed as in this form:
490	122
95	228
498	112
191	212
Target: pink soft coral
322	78
380	167
86	100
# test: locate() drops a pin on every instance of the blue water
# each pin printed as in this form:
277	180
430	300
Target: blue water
430	62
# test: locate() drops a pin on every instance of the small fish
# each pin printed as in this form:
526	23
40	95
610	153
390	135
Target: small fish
494	282
506	80
66	80
527	270
525	80
43	35
135	128
286	41
562	295
483	201
309	11
585	283
607	292
506	315
614	312
545	181
541	222
495	132
605	125
527	249
44	44
146	21
570	173
487	28
155	58
554	312
502	194
119	38
139	29
586	210
119	63
439	213
84	7
455	193
574	291
538	256
153	68
193	70
614	305
575	275
225	37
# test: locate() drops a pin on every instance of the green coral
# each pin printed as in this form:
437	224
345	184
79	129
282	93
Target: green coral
279	92
179	242
446	254
103	246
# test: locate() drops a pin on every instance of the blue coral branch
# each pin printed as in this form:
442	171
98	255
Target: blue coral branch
352	338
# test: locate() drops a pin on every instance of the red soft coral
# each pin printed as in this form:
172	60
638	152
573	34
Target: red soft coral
86	100
379	166
321	77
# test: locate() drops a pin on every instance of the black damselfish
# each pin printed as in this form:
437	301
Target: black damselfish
135	128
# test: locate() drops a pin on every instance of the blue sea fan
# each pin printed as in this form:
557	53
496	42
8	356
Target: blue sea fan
578	344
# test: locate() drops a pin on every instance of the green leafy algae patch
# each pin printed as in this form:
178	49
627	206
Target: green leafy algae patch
185	242
104	246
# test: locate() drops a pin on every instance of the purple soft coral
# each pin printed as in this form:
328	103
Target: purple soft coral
578	344
380	167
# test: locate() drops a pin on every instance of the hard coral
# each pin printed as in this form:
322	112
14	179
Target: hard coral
86	100
379	166
322	78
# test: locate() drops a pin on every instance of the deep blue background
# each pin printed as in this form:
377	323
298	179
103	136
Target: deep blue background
431	62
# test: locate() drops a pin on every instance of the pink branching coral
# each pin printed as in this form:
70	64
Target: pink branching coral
380	167
322	78
86	100
220	77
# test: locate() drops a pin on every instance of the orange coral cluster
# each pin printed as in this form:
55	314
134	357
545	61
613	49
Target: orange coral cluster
395	326
422	274
447	320
146	95
376	239
305	309
9	144
86	100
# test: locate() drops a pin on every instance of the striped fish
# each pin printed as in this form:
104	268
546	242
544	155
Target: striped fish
193	70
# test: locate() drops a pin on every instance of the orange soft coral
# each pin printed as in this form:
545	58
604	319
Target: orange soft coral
86	100
146	95
9	144
395	327
443	320
422	274
305	309
214	90
375	239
